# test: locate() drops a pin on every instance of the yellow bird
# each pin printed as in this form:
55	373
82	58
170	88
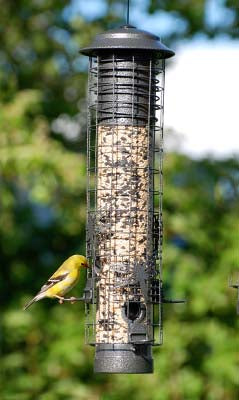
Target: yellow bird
63	280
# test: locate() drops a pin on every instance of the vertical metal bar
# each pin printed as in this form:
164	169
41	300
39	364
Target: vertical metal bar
127	15
88	193
95	196
150	313
112	257
150	194
131	265
161	200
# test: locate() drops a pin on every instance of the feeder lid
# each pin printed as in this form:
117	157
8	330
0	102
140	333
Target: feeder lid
127	37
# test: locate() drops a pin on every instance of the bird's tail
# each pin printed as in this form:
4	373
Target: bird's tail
36	298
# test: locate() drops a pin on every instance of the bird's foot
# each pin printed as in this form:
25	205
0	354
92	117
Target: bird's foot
60	299
71	299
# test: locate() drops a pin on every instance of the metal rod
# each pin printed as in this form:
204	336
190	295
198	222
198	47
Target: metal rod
127	15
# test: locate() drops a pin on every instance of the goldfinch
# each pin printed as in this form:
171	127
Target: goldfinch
63	280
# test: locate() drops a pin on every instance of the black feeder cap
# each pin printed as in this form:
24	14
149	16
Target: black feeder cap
123	359
127	37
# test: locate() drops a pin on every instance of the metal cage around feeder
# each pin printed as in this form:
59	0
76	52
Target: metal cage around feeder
124	197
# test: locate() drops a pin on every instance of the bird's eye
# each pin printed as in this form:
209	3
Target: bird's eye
82	264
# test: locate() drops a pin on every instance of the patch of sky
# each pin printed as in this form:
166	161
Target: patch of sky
60	35
62	63
63	37
217	14
89	10
42	214
80	64
229	188
68	127
200	41
161	22
179	241
24	52
5	65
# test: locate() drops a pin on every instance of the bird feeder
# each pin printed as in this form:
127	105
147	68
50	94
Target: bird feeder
124	197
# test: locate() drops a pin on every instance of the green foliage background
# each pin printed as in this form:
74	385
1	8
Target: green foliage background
42	221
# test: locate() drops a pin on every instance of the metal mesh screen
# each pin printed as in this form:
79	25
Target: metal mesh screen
124	197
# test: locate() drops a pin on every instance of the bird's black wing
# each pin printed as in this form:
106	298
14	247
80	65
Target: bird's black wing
52	281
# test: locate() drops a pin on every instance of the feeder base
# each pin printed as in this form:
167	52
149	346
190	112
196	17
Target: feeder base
123	359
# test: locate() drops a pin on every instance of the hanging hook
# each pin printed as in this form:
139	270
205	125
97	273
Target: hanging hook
127	14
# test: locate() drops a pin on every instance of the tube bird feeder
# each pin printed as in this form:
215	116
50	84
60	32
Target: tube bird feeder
124	197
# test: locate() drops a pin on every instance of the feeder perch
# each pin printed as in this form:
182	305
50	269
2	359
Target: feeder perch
124	198
235	286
